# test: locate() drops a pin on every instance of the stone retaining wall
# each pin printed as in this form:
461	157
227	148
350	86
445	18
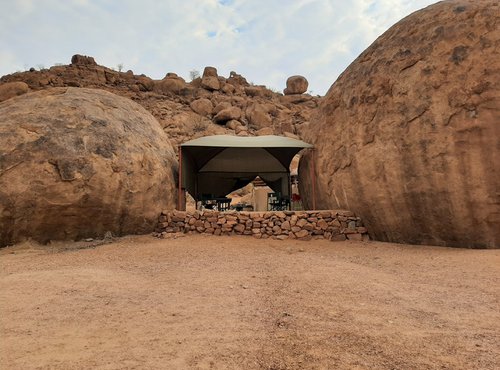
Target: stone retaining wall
336	225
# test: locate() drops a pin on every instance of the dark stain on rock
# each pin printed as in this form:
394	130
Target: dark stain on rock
78	143
68	168
40	142
105	149
99	122
459	9
481	87
427	71
459	54
485	43
402	54
438	32
370	99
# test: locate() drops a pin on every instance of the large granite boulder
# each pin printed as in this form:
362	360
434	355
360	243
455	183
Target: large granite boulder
408	137
77	163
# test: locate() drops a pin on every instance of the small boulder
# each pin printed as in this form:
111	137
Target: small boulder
228	89
258	117
210	80
170	84
258	91
252	91
264	131
296	85
228	114
242	133
145	83
301	234
232	124
210	72
239	129
10	89
236	79
203	107
78	59
221	106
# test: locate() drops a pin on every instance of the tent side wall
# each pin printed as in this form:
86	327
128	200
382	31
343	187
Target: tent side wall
188	180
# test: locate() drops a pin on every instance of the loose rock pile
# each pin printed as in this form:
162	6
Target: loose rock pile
335	225
208	105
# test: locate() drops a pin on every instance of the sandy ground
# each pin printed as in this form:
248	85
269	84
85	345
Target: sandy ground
239	303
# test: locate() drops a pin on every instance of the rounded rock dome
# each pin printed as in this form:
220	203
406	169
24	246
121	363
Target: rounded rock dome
408	137
77	163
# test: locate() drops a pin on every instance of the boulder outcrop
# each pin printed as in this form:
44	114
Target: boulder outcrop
296	85
77	162
172	100
408	137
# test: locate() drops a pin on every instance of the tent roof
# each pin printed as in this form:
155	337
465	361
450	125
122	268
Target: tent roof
228	141
220	164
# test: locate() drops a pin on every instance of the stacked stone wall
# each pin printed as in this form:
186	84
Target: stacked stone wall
335	225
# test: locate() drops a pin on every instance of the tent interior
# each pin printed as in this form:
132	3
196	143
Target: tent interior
214	166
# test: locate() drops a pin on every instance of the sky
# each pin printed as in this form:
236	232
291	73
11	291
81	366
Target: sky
266	41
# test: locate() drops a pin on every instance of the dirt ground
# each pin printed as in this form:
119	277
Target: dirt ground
240	303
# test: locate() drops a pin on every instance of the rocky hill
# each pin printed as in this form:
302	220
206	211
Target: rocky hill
80	157
208	105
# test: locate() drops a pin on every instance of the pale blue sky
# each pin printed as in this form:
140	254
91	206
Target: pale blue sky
264	40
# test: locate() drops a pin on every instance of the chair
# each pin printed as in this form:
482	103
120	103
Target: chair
223	204
275	202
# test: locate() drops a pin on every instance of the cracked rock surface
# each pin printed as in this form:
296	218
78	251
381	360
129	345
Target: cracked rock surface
408	137
77	162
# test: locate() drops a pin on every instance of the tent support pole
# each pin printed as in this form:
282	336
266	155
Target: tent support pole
313	180
179	190
289	191
196	192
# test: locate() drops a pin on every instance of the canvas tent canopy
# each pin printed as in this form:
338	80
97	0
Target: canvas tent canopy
217	165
